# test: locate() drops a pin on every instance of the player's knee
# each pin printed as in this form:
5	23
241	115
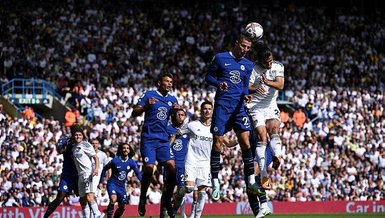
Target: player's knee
261	144
275	136
121	207
202	194
189	189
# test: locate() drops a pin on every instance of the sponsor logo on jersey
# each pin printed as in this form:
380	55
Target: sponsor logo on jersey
177	146
235	77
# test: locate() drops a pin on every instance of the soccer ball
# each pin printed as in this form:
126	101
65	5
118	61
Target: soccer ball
254	30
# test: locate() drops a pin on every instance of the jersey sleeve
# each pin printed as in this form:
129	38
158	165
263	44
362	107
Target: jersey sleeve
134	167
211	77
184	130
105	159
252	77
143	99
278	69
88	149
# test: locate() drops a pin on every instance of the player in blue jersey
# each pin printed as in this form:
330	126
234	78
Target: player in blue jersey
179	148
121	165
230	73
155	145
68	178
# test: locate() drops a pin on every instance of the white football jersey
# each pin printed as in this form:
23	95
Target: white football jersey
200	144
83	154
103	160
269	97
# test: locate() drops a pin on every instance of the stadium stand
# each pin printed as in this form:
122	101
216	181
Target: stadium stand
102	57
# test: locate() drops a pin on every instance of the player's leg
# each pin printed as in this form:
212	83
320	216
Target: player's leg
219	126
180	192
261	155
82	184
166	157
194	204
215	159
247	156
147	150
93	205
119	212
273	128
203	182
112	193
66	186
55	203
242	126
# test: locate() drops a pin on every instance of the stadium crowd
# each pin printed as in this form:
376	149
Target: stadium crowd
103	59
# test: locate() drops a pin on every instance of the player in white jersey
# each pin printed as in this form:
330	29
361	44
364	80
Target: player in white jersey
266	80
103	160
197	163
83	153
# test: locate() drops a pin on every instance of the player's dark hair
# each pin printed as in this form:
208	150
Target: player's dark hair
174	113
160	77
263	52
119	152
76	128
206	102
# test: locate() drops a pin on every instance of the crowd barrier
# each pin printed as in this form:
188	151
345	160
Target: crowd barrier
214	209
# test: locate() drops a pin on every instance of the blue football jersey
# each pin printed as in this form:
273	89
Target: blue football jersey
235	72
157	116
179	147
120	170
69	167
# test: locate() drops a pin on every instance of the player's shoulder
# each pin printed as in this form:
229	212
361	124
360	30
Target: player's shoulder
277	65
222	54
150	92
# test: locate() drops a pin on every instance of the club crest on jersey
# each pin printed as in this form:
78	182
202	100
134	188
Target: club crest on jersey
169	103
146	159
235	77
215	129
128	167
242	67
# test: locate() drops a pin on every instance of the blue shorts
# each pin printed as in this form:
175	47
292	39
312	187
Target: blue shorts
228	117
155	150
69	184
179	176
120	192
269	155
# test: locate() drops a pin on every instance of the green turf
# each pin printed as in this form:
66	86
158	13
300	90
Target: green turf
344	215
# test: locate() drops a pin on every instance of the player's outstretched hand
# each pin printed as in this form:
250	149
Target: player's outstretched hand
248	98
223	86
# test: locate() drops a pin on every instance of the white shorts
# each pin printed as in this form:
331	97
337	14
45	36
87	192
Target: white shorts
200	175
260	115
95	183
86	186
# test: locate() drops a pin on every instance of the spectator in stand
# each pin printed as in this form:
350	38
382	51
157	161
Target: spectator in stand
299	117
70	117
29	113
